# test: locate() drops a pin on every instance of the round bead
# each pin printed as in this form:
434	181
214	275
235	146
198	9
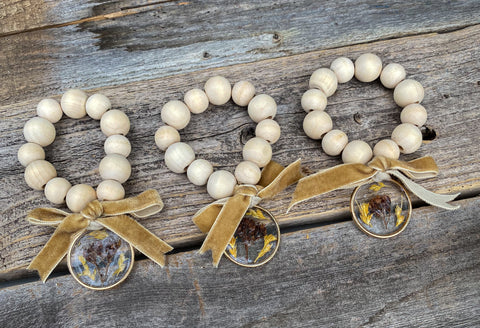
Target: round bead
97	105
408	92
38	173
114	122
357	151
49	109
387	148
242	93
343	68
258	151
247	173
117	144
199	171
179	156
415	114
368	67
196	100
30	152
110	190
176	114
73	103
268	130
79	196
262	107
314	99
166	136
40	131
56	190
408	137
316	124
218	90
325	80
392	74
115	167
334	142
221	184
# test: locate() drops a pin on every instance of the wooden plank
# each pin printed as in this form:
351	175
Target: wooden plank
331	276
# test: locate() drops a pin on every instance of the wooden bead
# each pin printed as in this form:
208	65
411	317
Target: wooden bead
313	99
415	114
199	171
357	151
179	156
117	144
269	130
408	92
176	114
334	142
242	93
115	167
38	173
40	131
166	136
114	122
368	67
196	101
73	103
392	74
79	196
387	148
30	152
110	190
49	109
56	190
258	151
221	184
247	172
324	79
218	90
262	107
97	105
408	137
343	68
316	124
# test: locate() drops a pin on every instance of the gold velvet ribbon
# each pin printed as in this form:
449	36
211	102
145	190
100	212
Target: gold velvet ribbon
221	218
96	215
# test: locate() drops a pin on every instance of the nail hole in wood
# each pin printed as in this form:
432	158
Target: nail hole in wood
357	117
247	134
428	133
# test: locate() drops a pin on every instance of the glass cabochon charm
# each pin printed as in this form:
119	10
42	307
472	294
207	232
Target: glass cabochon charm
256	239
381	209
100	259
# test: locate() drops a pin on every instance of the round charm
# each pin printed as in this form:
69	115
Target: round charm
381	209
100	259
256	239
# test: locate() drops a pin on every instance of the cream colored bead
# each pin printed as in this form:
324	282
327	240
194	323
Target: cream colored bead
30	152
408	137
313	99
218	90
40	131
221	184
325	80
343	68
368	67
268	130
38	173
334	142
176	114
166	136
316	124
262	107
79	196
73	103
415	114
392	74
258	151
56	190
242	93
49	109
97	105
387	148
110	190
114	122
179	156
115	167
117	144
199	171
247	172
408	92
196	100
357	151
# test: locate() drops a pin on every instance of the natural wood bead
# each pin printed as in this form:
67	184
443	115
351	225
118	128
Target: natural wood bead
196	101
38	173
408	137
343	68
408	92
114	122
218	90
247	172
40	131
268	130
117	144
392	74
262	107
368	67
313	99
56	190
49	109
176	114
357	151
316	124
199	171
221	184
73	103
97	105
179	156
415	114
242	93
110	190
30	152
79	196
387	148
166	136
115	167
334	142
325	80
258	151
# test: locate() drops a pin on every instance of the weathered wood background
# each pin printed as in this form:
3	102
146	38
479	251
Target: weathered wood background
327	273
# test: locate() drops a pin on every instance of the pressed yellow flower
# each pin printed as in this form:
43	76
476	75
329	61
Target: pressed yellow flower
364	216
267	246
121	264
98	234
398	214
377	187
233	247
256	214
86	270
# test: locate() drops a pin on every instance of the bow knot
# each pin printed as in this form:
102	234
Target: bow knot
93	210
